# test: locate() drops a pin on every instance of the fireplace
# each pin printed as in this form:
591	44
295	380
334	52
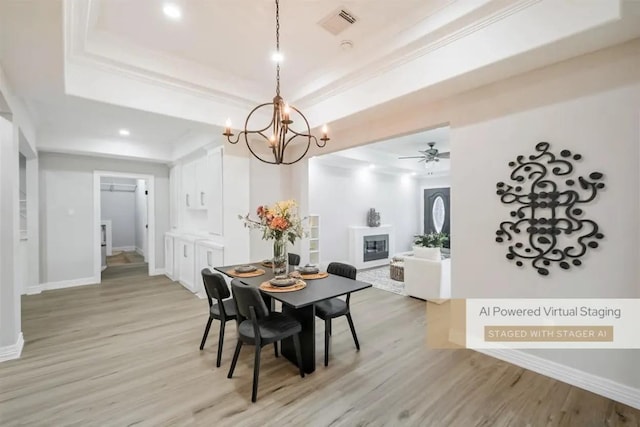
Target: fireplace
375	247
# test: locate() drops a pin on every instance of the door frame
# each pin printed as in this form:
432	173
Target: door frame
151	219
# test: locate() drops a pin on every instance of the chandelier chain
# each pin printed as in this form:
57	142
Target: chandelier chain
278	47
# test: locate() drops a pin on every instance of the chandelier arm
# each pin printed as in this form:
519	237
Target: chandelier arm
246	122
246	140
303	154
231	141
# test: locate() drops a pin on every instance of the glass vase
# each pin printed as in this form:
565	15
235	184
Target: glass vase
280	258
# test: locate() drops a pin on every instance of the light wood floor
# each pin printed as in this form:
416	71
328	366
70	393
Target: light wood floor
126	353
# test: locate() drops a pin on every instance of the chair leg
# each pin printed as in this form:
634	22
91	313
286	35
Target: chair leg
296	345
275	348
256	373
235	359
353	331
327	336
206	333
220	343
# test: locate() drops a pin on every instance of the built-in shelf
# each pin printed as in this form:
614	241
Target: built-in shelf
314	239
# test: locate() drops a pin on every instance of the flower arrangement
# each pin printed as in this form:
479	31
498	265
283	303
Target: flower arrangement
431	240
277	222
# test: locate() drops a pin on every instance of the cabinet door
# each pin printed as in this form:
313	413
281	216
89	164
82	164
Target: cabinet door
203	183
206	257
175	196
187	264
189	198
168	257
215	201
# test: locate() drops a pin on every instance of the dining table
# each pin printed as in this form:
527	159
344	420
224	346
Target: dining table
300	304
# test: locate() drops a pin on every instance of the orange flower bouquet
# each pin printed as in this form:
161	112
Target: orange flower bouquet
277	222
281	223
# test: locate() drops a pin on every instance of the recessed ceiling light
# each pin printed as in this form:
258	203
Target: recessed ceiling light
124	132
172	10
372	166
414	173
277	57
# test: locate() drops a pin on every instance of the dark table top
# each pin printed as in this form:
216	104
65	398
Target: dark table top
315	291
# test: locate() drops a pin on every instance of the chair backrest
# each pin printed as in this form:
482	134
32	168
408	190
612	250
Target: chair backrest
341	269
214	285
294	259
247	296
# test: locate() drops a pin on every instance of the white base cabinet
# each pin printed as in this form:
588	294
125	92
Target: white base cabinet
185	261
208	255
187	255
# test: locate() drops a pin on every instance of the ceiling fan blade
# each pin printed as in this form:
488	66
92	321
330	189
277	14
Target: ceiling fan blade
411	157
445	155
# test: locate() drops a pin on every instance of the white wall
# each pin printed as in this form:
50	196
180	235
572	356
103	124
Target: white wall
66	203
342	197
140	221
120	208
9	245
590	104
267	184
608	139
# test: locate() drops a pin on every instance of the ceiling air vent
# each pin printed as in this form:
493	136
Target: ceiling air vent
338	21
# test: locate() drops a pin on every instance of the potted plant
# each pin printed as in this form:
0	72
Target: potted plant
428	245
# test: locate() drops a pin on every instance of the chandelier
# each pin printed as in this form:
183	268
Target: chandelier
279	134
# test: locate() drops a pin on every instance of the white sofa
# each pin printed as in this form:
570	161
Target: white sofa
426	278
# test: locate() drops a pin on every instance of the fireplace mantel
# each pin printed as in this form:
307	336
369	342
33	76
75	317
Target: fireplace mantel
356	244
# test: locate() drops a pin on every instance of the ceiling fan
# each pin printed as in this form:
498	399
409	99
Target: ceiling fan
429	155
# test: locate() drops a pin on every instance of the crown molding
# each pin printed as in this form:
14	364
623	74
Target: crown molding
428	44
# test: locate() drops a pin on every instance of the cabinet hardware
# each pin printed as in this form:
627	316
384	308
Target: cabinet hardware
184	250
187	200
202	198
209	261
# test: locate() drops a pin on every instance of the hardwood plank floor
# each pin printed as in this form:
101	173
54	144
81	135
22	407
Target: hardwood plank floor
126	353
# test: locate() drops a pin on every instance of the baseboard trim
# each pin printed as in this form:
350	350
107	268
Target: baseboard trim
13	351
123	248
157	272
34	290
69	283
139	251
602	386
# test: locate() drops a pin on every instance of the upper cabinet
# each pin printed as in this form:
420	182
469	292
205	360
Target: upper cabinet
189	189
202	182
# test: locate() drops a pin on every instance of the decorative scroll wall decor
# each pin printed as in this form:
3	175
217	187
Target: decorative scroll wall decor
548	225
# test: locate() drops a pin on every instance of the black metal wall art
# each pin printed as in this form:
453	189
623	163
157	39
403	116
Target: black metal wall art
548	225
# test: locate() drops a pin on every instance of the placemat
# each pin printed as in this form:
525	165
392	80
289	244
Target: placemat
258	272
266	286
320	275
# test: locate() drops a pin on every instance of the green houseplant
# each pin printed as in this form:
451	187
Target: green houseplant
431	240
428	245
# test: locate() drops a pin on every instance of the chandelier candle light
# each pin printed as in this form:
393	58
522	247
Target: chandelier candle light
279	133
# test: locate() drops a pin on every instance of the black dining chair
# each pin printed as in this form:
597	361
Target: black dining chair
224	309
336	307
259	327
294	259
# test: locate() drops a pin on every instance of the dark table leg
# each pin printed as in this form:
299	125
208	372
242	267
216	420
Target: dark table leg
307	317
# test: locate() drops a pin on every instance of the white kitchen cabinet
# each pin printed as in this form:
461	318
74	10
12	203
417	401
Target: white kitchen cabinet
188	184
185	261
208	255
168	256
202	185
